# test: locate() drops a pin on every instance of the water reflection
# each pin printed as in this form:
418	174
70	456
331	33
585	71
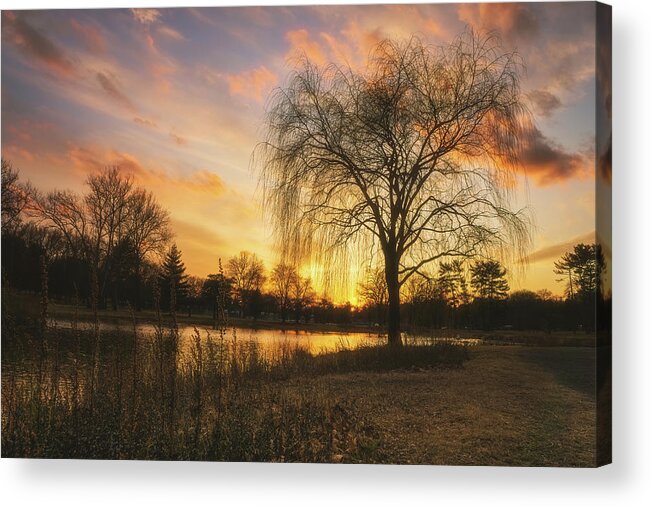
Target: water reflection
315	342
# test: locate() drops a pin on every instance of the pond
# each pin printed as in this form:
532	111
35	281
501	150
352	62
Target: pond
316	342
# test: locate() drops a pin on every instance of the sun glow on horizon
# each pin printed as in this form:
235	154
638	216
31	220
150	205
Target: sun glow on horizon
176	98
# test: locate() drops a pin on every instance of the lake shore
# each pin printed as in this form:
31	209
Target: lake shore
122	316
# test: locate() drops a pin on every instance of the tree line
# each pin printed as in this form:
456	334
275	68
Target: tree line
476	295
116	239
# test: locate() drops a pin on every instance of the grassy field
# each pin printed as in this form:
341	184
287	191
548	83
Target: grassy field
516	406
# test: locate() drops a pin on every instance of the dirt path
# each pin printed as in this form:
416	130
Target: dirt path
521	406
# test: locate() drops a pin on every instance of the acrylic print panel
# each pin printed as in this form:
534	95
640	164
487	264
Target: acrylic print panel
342	234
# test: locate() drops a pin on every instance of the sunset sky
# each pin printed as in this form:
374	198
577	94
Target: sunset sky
176	97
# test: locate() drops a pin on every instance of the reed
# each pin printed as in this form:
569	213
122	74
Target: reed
133	395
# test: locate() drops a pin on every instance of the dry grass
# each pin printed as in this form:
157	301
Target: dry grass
516	406
506	405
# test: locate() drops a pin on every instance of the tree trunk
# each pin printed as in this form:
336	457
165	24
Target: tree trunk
138	285
393	289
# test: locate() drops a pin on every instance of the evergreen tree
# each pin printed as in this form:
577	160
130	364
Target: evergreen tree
452	282
582	267
488	278
173	269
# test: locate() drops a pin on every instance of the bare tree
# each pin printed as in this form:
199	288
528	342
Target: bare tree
283	278
247	273
412	159
14	196
302	296
113	212
148	229
373	291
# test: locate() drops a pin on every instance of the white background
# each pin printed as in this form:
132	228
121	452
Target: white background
626	482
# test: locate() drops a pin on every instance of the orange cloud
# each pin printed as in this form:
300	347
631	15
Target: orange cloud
37	45
91	160
253	83
355	46
302	44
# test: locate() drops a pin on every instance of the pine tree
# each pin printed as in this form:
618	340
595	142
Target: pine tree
173	269
488	278
582	267
452	282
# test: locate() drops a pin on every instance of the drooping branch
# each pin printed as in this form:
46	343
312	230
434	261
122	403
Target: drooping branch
414	156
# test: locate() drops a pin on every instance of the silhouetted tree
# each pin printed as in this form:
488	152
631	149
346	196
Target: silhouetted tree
15	197
410	159
451	280
302	296
246	272
488	279
373	292
148	230
94	224
582	268
216	290
425	302
283	278
173	277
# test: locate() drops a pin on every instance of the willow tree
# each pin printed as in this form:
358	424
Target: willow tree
411	158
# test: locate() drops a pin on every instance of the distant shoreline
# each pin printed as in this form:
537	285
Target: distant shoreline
123	316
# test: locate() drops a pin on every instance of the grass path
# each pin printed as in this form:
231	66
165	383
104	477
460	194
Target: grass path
520	406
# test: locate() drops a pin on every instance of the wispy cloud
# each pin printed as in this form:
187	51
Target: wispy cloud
145	122
37	45
90	159
544	103
557	250
90	35
170	33
180	141
301	44
111	87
